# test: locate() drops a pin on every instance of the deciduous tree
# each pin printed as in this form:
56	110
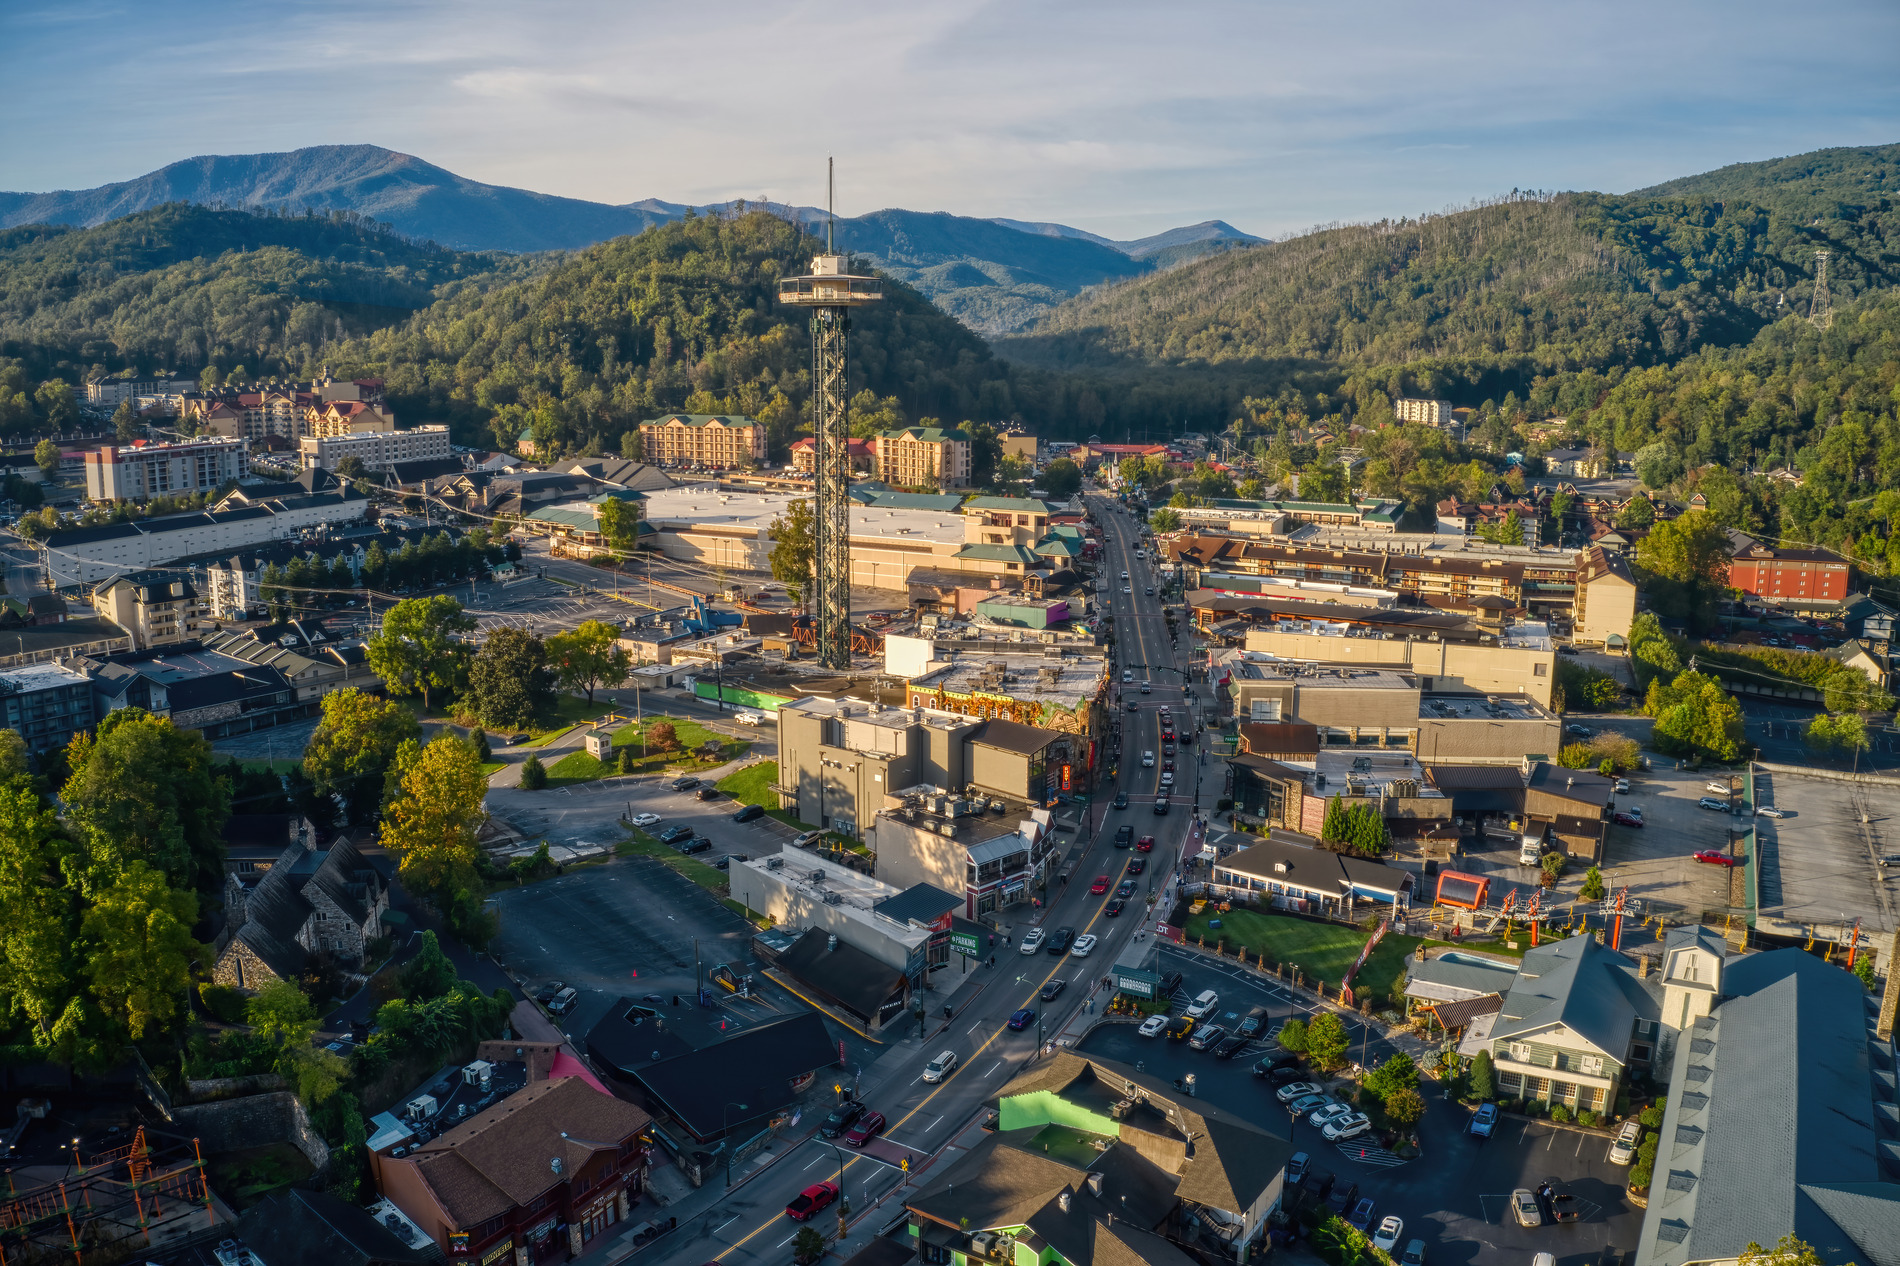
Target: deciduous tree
509	681
420	648
430	825
1685	564
37	913
589	657
136	939
354	746
794	548
143	789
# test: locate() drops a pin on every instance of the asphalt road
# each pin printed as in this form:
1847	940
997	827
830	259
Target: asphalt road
747	1224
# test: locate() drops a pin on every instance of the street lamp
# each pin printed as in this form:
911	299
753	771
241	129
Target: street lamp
726	1129
844	1201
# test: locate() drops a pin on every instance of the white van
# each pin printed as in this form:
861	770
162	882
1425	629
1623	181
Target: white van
745	716
1530	851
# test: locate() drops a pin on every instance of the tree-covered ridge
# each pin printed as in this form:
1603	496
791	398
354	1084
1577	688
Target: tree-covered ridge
684	317
1824	183
184	287
1531	284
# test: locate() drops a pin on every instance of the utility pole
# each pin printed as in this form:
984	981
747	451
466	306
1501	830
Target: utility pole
830	292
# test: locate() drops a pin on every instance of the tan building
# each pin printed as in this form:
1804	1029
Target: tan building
1526	666
702	439
346	417
1606	598
158	608
1428	412
924	457
1021	447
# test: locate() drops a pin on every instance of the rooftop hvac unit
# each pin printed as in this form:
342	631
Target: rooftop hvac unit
477	1073
420	1108
773	863
817	875
946	828
833	897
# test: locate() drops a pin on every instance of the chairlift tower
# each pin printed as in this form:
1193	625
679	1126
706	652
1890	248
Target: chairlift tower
830	291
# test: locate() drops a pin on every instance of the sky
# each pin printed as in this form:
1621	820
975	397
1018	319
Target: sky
1120	118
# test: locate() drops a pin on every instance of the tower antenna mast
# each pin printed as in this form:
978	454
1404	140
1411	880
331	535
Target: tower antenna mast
1821	308
831	292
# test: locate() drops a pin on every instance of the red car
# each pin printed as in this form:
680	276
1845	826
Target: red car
811	1200
1627	819
868	1124
1100	885
1713	858
1146	844
1167	766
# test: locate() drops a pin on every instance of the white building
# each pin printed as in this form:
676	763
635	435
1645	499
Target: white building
79	556
377	450
1430	412
110	393
156	470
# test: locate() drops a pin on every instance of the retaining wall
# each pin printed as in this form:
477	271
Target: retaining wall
1831	775
253	1121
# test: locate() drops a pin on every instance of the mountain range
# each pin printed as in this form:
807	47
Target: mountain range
997	276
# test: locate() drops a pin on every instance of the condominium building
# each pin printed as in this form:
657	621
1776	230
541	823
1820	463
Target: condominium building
109	393
1429	412
155	470
376	449
700	439
158	608
924	456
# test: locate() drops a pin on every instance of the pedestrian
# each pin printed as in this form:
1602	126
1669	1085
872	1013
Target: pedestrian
1005	940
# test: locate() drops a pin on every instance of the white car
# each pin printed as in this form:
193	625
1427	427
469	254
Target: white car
1032	940
1167	779
645	819
745	716
1287	1094
1623	1151
1152	1026
1719	788
1387	1236
1346	1127
1083	944
1126	589
1622	786
940	1067
1769	811
1322	1117
1147	760
1203	1004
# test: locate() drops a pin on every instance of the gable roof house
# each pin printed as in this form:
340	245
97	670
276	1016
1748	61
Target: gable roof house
1574	1020
1095	1164
309	903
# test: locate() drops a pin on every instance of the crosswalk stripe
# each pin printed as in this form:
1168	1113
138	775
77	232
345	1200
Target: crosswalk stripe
1372	1157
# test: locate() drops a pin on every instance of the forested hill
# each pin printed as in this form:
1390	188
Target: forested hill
184	286
682	317
1504	291
1827	184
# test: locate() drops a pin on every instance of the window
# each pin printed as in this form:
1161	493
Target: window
1538	670
1593	1064
1521	1052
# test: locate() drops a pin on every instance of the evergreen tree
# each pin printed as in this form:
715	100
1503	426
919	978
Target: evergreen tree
1482	1083
534	775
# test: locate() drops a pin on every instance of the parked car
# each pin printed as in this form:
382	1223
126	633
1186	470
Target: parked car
813	1199
1170	984
751	813
1361	1217
1296	1168
674	834
1717	788
1058	940
1710	802
1207	1036
1319	1118
1100	885
1559	1203
1204	1003
1083	944
1287	1094
1626	819
1307	1103
708	793
942	1066
545	994
1524	1206
1485	1120
1414	1254
645	819
1343	1198
840	1119
1032	941
871	1123
1387	1236
1252	1022
1769	811
1230	1047
1622	786
1152	1026
1179	1027
563	1002
698	844
1628	1138
1711	857
1054	987
1341	1128
685	784
1579	731
1023	1018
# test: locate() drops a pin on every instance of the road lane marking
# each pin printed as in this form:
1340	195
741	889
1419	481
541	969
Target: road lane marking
728	1222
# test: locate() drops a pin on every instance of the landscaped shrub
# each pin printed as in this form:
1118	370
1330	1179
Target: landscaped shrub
1482	1084
1652	1115
1560	1113
223	1002
1586	1116
534	775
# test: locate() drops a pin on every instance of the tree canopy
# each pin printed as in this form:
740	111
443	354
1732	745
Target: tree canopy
419	648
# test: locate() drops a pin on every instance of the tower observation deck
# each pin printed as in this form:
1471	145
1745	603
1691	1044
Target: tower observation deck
831	292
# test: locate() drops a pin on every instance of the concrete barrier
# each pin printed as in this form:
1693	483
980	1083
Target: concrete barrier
1830	775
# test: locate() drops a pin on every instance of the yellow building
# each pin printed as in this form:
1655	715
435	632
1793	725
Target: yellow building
701	439
924	457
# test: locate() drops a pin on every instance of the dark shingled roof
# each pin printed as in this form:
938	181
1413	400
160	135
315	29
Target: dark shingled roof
348	880
849	976
1012	736
313	1228
273	915
756	1066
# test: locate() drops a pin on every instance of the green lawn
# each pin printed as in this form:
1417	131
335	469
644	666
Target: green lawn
580	767
568	711
1324	951
753	785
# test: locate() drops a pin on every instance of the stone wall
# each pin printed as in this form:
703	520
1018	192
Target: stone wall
213	1088
253	1121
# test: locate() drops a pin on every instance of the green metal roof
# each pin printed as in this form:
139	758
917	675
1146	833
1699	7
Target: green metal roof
582	520
1057	547
917	501
928	434
1015	505
700	419
999	554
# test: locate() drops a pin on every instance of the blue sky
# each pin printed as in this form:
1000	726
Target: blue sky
1120	118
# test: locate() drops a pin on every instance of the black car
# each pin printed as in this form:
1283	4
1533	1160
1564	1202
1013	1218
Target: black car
1114	907
841	1118
1124	836
1230	1047
1560	1204
1059	940
1054	987
1133	706
1317	1184
707	793
1280	1068
1343	1198
1126	890
698	844
1254	1021
1161	807
751	813
1170	981
1137	864
1121	800
674	834
545	994
685	784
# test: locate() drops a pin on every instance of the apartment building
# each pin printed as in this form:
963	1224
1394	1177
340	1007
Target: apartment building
45	704
702	439
1605	605
376	448
924	457
110	393
346	417
1427	412
157	608
863	454
143	470
1800	579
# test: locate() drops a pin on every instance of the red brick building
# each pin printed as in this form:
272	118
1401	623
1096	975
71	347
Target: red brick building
1806	578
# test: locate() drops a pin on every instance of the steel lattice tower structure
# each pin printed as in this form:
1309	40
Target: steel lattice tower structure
831	292
1821	308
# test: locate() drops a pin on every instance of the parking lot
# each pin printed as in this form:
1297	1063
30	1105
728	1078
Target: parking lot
1456	1195
1819	862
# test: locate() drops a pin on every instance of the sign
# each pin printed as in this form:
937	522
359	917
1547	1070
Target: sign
504	1249
1141	984
458	1241
966	943
1068	781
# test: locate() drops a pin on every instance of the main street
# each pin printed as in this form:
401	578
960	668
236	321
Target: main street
748	1224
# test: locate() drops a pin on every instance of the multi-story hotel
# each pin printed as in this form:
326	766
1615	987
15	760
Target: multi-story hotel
924	456
700	439
376	449
156	470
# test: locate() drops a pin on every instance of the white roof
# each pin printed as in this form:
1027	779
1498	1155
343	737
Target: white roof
707	506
